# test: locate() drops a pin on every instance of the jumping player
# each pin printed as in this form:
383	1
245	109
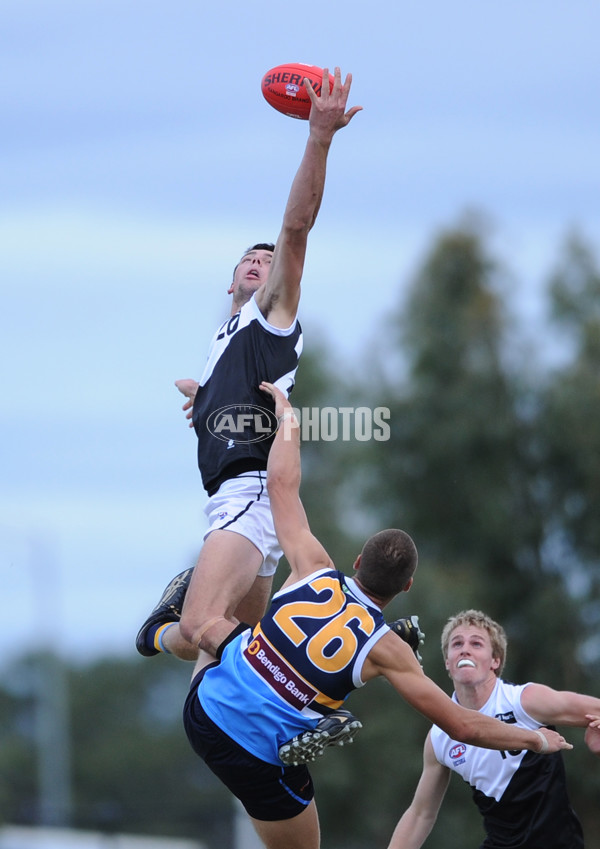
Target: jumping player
261	339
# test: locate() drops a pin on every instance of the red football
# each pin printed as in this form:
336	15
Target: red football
283	88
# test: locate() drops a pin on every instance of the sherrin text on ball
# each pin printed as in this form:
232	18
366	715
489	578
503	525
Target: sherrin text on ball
283	88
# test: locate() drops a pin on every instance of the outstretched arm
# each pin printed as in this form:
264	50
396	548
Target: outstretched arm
394	659
558	707
303	551
278	299
563	707
419	818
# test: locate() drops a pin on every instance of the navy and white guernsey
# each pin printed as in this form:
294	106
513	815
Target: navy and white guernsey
521	795
301	661
244	351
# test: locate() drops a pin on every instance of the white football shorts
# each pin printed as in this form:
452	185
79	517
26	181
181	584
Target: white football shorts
242	505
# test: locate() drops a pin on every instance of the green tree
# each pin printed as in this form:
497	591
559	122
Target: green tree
571	416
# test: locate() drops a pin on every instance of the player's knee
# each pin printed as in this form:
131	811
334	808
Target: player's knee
190	627
195	630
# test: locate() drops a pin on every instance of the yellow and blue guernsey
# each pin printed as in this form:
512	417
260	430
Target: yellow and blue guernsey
301	662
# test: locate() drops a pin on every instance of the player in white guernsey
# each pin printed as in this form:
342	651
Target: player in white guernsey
260	340
323	636
521	796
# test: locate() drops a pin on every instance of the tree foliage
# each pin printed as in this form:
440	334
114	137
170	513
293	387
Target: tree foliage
570	424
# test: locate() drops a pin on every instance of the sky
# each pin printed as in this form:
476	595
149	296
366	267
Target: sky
139	159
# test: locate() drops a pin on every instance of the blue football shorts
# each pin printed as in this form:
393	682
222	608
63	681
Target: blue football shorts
267	792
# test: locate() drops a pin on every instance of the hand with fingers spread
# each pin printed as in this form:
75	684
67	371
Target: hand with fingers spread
328	112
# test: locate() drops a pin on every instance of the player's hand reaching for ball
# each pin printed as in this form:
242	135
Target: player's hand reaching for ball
554	741
328	111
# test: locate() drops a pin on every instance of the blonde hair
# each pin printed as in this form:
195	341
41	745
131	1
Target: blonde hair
477	619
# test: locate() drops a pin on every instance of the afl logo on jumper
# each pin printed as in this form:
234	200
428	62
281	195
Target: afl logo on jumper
242	423
457	754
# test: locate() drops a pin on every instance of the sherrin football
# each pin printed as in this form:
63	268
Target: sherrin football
283	88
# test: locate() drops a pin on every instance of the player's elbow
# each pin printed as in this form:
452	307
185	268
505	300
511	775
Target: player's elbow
275	482
274	490
282	477
280	486
467	729
296	227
